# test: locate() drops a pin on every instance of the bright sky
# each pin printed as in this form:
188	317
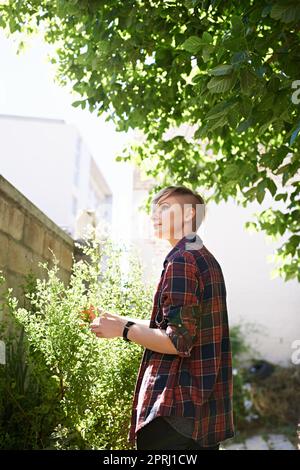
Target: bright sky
27	88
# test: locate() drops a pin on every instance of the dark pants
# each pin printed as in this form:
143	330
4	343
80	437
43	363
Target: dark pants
160	435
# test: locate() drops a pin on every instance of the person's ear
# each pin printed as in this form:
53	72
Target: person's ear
189	214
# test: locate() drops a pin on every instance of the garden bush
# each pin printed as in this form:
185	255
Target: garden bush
277	397
88	381
242	401
29	405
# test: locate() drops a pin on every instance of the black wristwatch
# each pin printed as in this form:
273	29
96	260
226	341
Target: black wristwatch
126	328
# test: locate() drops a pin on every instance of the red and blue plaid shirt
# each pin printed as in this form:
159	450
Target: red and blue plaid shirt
190	305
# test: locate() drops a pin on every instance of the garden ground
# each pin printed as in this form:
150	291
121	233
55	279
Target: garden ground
264	439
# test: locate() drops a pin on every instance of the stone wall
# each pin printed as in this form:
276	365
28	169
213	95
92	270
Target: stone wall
26	237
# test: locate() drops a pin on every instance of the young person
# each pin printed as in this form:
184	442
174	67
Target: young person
184	388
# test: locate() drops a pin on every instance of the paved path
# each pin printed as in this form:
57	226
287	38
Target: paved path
268	442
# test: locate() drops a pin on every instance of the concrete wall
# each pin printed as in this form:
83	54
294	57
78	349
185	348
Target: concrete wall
26	234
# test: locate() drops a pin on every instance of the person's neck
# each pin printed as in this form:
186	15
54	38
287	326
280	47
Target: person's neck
173	241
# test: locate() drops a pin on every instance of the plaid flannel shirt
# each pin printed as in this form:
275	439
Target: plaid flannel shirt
190	305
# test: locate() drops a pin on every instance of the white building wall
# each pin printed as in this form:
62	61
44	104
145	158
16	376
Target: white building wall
272	306
41	158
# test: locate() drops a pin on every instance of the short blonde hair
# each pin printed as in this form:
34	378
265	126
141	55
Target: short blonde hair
197	202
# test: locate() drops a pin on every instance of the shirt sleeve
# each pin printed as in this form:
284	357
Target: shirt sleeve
180	303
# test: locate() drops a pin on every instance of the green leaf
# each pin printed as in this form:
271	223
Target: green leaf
264	128
247	81
250	193
238	28
286	176
251	225
239	57
271	186
286	12
75	104
220	109
217	123
266	11
260	192
233	118
273	159
231	171
224	69
190	3
221	84
282	169
207	38
281	196
293	244
13	25
206	51
193	44
244	125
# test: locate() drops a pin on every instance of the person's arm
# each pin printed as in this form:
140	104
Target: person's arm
154	339
180	309
112	325
180	303
151	338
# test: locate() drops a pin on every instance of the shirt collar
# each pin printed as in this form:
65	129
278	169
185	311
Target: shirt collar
181	244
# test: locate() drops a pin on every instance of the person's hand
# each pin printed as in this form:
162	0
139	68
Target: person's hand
108	325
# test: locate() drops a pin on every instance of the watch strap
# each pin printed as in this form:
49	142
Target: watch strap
126	328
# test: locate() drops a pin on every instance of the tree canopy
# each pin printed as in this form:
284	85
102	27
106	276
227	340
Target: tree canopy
231	69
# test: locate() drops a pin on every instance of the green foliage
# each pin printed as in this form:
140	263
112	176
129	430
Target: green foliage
229	68
29	408
242	409
89	382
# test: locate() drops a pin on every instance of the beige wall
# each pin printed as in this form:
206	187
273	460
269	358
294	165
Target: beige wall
26	234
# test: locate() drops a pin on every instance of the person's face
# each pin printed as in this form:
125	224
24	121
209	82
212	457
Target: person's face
171	218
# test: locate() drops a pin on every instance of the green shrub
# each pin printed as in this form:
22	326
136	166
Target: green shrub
242	400
28	397
276	398
91	380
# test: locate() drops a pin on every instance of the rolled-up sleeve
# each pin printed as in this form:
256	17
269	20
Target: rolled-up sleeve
180	300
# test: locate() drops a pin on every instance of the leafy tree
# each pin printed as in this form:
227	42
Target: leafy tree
229	68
